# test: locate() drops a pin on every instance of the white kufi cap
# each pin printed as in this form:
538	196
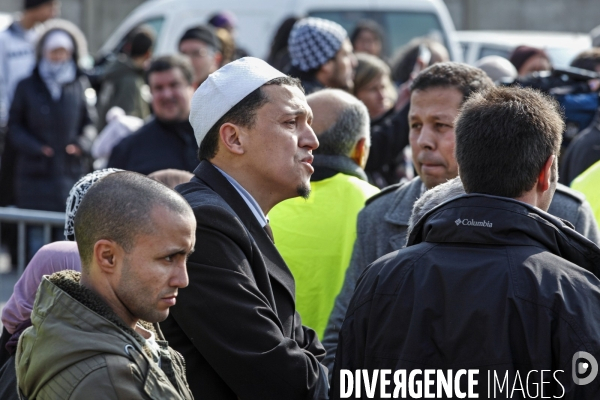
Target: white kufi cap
226	87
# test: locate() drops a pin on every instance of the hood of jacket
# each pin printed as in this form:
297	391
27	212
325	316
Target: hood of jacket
491	220
70	323
80	52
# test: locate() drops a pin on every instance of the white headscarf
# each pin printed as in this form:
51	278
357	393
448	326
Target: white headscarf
56	74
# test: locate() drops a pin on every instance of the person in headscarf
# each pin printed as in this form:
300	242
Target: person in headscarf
51	258
47	122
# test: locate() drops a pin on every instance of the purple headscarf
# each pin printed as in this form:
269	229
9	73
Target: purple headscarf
51	258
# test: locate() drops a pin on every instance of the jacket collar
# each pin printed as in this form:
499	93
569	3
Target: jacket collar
276	266
400	211
491	220
341	164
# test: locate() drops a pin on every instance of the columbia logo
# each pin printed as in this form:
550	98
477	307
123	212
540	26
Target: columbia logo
472	222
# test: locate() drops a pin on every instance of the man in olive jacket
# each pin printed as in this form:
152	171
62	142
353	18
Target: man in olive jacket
91	335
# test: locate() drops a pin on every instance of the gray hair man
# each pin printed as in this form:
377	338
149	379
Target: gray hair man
339	189
92	333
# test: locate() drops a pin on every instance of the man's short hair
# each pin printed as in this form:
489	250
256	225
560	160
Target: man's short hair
351	125
503	138
166	63
140	41
243	114
465	78
588	59
117	208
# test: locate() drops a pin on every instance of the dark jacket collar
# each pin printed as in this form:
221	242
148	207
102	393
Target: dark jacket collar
491	220
276	266
325	165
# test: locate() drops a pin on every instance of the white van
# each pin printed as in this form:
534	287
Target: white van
401	20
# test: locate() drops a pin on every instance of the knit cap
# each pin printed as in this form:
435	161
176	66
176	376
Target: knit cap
314	41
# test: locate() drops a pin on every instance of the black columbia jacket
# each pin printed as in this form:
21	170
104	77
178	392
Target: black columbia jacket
487	283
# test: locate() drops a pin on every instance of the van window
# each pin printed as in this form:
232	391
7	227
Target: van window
399	26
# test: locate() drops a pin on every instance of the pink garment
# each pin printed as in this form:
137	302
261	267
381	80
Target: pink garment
51	258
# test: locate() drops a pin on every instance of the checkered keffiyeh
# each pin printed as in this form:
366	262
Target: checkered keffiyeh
76	195
314	41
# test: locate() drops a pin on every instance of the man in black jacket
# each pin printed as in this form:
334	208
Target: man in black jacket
166	141
492	292
236	324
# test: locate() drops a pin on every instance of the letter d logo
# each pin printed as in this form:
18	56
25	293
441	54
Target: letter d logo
580	368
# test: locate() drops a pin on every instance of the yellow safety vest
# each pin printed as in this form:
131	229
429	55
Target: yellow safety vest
315	238
588	183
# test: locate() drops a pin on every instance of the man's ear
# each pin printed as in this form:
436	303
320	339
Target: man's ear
230	138
545	177
360	154
107	255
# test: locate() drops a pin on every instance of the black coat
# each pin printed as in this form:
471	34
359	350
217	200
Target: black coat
236	323
36	120
156	146
582	153
389	137
519	295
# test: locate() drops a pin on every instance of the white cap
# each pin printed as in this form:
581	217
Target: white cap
226	87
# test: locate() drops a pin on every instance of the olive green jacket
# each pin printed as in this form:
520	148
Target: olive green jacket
77	348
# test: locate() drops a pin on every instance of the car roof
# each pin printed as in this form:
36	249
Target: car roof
531	38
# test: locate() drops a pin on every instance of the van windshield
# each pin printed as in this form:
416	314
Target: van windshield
399	26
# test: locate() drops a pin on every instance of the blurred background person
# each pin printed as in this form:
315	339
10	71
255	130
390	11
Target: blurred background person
321	55
367	38
123	85
228	21
17	52
527	59
390	160
497	68
17	48
118	127
167	140
584	149
203	48
47	120
48	125
226	44
373	85
279	55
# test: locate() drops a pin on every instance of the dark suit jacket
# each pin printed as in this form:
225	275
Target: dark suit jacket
236	323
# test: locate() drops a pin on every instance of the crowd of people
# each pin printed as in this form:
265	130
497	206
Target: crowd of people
287	229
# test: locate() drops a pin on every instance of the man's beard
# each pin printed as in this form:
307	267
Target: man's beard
303	191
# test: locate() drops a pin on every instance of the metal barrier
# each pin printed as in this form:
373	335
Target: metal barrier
22	217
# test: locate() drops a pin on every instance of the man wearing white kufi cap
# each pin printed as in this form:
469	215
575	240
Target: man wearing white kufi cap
236	323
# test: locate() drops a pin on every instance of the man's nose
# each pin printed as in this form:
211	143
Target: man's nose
308	139
180	277
427	139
